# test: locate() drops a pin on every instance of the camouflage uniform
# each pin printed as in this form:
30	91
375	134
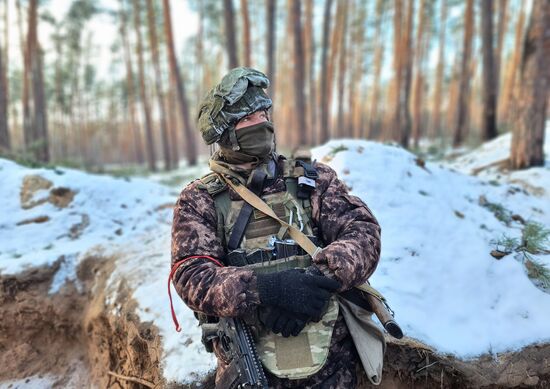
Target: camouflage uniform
347	227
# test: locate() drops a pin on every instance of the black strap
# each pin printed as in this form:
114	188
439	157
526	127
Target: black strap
256	185
310	173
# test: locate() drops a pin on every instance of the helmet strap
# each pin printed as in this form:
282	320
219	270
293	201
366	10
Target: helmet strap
233	139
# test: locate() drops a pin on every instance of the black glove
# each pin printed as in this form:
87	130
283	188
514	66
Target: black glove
296	291
281	321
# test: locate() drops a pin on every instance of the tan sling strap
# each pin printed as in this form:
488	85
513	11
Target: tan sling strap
298	236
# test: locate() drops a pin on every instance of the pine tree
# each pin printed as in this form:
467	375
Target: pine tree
489	76
4	133
323	94
465	75
155	59
151	153
134	124
190	140
528	134
299	67
231	43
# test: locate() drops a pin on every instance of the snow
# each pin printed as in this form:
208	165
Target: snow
482	161
30	383
65	273
435	269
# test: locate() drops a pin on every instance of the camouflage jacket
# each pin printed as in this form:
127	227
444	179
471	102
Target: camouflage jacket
347	227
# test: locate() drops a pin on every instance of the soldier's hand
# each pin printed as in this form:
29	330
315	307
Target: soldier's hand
296	291
281	321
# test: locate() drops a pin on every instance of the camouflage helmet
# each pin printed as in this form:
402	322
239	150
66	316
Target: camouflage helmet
240	93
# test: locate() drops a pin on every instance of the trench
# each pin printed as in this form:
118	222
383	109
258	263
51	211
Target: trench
83	338
75	337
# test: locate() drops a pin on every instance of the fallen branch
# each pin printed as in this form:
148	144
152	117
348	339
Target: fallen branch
425	367
501	163
133	379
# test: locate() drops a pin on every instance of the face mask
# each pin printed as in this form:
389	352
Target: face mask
256	142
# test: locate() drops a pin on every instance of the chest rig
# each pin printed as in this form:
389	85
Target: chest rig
262	244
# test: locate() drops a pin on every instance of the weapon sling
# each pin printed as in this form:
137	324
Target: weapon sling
256	186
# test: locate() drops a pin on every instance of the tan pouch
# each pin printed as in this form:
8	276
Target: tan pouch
367	337
301	356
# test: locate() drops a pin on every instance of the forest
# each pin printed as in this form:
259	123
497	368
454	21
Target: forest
422	73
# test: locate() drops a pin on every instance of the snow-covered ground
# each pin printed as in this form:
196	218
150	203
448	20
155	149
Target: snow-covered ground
484	163
435	270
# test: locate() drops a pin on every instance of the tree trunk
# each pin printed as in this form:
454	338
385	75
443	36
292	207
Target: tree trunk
153	41
151	153
397	83
356	92
501	29
342	67
378	58
4	82
464	88
246	33
323	97
40	118
407	44
336	39
28	126
435	129
299	78
230	35
190	140
310	66
59	96
134	131
510	83
200	71
418	86
271	6
4	132
173	124
402	117
528	134
489	130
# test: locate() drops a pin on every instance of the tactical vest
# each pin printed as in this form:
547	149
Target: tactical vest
293	357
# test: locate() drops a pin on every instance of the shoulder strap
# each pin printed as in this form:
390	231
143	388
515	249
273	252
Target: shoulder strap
256	186
213	183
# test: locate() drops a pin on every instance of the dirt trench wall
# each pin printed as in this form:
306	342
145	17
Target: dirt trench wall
409	364
73	335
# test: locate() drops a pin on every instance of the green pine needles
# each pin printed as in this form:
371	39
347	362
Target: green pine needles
534	240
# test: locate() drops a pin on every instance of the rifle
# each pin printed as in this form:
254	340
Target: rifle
360	296
245	369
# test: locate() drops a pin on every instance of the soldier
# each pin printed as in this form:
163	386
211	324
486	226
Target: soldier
231	260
